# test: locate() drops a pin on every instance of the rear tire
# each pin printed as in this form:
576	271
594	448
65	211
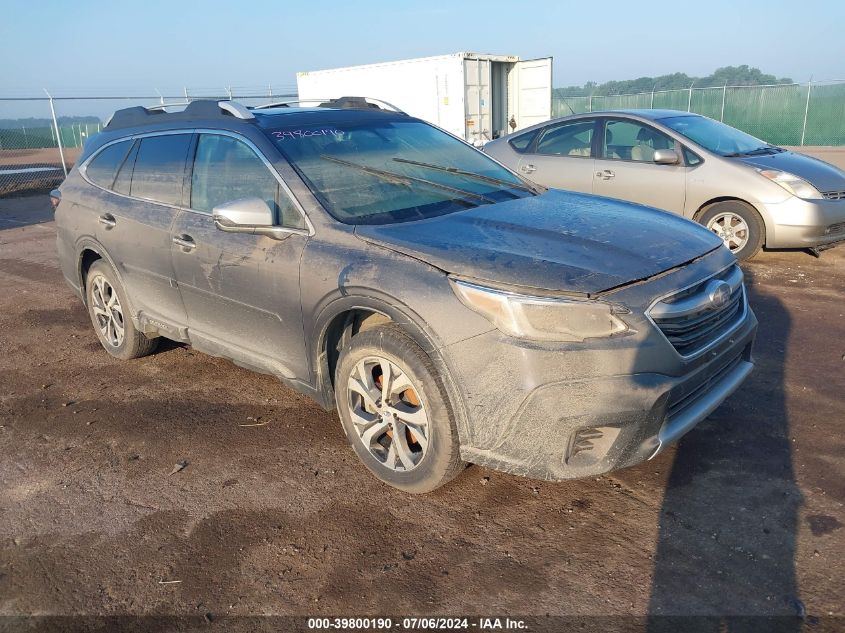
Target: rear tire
739	226
109	312
402	428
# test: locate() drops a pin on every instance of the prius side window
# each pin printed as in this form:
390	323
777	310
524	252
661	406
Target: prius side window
226	169
573	138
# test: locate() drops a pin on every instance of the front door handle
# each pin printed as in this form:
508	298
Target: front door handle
185	241
107	220
605	175
528	169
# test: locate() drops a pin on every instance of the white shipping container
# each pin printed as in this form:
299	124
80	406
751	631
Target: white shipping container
475	96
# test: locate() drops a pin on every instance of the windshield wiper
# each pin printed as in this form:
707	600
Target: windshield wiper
404	180
766	149
470	174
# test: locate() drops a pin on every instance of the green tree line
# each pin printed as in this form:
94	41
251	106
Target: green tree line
731	75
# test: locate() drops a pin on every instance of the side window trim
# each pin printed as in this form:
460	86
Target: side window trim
122	162
196	132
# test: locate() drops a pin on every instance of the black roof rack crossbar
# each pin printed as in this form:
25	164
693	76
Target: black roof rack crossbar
201	108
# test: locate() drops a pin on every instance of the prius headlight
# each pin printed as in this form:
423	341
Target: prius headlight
792	183
542	318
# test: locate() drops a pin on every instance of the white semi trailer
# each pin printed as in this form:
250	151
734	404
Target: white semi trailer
475	96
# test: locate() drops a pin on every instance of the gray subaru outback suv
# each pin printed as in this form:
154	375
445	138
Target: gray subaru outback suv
451	311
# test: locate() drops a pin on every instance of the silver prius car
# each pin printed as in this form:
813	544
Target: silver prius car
449	311
749	192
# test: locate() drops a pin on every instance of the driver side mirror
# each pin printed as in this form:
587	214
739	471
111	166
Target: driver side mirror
666	157
247	215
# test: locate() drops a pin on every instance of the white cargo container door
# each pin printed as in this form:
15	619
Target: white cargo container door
477	100
533	91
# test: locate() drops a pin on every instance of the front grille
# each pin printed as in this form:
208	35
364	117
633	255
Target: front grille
835	229
834	195
691	320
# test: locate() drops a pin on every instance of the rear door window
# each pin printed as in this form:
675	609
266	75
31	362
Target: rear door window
160	168
572	138
102	168
521	143
227	169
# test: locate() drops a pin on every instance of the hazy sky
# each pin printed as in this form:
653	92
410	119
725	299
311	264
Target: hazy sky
89	47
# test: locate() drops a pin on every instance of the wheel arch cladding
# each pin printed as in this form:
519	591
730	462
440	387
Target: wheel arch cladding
348	315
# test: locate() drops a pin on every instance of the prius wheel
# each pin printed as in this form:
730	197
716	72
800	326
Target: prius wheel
738	225
107	307
394	411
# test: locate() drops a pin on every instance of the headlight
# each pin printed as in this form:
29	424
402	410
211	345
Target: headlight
542	318
792	183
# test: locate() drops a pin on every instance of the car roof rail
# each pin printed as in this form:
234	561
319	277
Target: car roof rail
356	103
198	109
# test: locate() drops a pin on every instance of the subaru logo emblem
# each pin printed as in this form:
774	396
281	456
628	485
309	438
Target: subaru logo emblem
719	292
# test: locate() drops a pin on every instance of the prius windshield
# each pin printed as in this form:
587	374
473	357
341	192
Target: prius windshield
383	170
717	137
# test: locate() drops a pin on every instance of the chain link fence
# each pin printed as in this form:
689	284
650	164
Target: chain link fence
41	138
783	114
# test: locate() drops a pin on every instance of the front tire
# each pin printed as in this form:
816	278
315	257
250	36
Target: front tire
109	312
395	411
739	226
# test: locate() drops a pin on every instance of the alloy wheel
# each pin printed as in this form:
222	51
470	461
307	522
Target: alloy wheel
388	414
107	311
731	228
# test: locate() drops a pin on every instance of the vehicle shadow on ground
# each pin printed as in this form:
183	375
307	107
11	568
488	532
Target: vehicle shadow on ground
16	212
727	535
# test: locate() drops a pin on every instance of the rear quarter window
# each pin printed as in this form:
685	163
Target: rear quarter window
104	165
160	168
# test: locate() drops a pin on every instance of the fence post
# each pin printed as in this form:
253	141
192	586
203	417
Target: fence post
590	104
689	100
58	136
270	90
186	94
806	110
724	92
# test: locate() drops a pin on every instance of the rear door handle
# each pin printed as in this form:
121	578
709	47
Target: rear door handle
107	220
605	175
528	169
185	241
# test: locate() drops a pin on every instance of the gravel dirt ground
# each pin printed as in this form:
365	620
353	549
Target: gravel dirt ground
274	515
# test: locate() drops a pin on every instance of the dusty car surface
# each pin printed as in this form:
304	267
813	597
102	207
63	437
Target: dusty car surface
451	311
746	191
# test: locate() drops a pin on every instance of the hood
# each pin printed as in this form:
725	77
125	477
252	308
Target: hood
823	176
557	241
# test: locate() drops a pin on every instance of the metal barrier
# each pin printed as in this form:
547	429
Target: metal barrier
783	114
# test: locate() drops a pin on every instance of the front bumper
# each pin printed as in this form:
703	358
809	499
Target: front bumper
797	223
581	410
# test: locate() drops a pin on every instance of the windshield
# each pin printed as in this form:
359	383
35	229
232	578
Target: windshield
717	137
386	170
